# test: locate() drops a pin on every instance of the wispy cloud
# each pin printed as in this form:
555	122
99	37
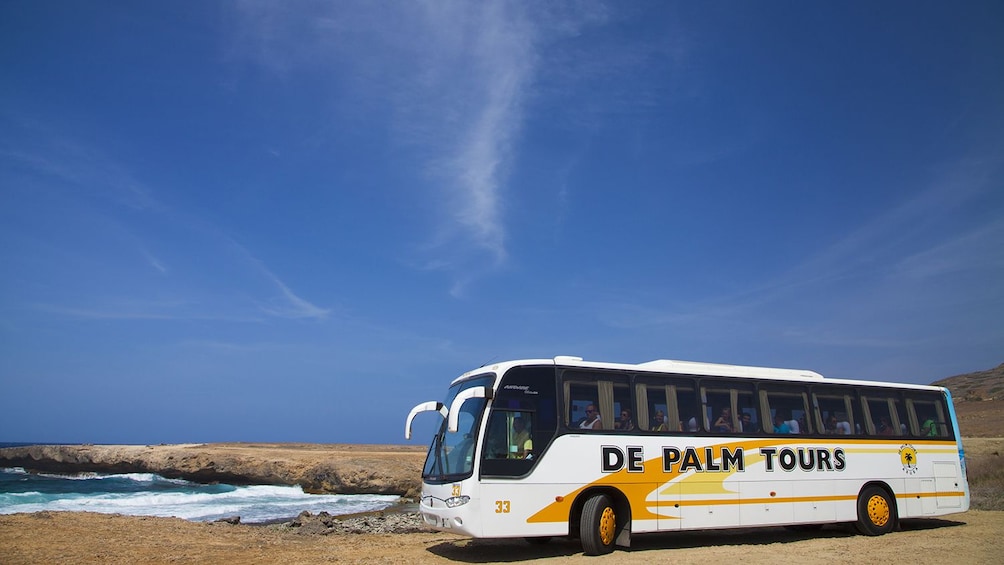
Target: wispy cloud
41	150
865	281
453	79
154	262
287	304
292	306
499	60
124	207
981	246
139	309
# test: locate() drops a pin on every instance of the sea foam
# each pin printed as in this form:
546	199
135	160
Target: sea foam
142	494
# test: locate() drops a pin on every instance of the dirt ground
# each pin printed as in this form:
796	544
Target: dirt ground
981	418
58	537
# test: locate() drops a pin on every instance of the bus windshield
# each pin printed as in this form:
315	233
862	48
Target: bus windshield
451	455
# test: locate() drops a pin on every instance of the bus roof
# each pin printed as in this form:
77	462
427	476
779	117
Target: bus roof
670	366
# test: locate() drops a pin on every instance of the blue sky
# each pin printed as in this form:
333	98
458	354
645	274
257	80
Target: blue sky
264	221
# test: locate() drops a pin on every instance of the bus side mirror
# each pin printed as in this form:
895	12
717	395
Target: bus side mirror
473	392
430	406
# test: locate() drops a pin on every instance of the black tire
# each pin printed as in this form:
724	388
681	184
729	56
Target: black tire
876	512
598	525
542	540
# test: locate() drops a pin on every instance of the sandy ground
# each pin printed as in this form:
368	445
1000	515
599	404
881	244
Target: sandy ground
56	537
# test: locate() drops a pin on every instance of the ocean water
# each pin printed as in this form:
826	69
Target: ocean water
152	495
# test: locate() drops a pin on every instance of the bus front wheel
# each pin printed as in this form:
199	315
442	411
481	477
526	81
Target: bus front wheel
598	526
876	512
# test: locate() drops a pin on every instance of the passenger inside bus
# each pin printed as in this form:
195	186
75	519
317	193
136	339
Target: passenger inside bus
780	426
724	421
746	423
687	425
831	425
929	428
659	422
521	445
591	421
793	426
625	422
885	428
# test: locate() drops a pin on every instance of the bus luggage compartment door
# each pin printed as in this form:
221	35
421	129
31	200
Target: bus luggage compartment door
946	482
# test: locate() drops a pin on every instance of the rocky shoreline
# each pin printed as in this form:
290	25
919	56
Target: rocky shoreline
317	468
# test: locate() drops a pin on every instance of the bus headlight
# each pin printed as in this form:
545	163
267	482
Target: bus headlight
455	501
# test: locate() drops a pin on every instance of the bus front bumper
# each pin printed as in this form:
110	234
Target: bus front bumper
437	515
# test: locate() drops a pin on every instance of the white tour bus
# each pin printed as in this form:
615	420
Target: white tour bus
600	451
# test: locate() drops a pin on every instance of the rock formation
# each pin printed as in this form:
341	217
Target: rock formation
327	469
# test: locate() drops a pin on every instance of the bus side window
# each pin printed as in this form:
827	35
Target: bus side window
788	406
836	411
928	416
885	414
724	407
666	404
593	399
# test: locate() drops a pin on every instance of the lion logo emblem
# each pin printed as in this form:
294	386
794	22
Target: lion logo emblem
908	457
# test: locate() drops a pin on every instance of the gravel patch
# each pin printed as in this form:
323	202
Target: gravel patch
324	524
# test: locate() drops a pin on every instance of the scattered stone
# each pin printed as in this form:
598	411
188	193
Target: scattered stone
234	520
376	523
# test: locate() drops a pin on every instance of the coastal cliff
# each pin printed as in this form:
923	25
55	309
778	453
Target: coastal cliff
317	468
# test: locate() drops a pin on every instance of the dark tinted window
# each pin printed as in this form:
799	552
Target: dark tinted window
667	404
886	414
723	402
522	423
835	411
594	400
928	416
788	407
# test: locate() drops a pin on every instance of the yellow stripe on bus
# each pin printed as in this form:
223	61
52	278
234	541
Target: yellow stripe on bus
788	500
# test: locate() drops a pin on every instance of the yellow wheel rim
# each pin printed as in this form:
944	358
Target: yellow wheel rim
608	524
878	510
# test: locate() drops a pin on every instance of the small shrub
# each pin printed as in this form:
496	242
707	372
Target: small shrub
986	482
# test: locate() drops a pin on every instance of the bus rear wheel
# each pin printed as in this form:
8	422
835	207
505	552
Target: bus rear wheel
876	512
598	526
